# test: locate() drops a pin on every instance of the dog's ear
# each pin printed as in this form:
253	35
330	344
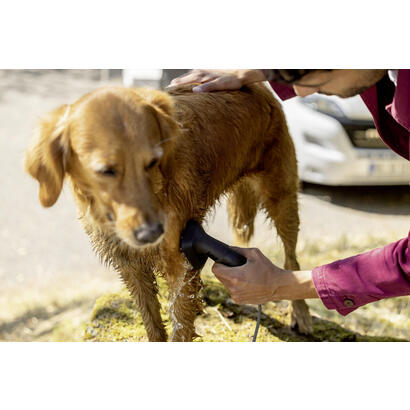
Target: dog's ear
46	158
164	109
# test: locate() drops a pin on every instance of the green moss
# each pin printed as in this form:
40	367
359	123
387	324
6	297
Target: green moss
115	317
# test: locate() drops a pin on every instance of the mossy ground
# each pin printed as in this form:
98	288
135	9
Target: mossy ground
61	312
116	318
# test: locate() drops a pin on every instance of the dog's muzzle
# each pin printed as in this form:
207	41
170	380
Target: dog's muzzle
148	233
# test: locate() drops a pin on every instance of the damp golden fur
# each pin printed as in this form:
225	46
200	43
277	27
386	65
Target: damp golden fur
142	162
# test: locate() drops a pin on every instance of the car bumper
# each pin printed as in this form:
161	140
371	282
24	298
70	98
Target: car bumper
326	154
366	168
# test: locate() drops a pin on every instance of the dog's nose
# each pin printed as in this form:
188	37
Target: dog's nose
148	233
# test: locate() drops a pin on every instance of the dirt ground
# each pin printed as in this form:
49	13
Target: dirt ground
48	273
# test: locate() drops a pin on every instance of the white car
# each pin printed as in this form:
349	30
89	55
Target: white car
131	77
337	143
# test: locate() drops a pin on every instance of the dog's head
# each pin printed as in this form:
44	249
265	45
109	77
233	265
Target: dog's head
111	143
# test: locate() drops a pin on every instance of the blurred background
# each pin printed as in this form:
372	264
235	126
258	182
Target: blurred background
354	196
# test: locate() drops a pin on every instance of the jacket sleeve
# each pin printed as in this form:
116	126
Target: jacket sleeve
349	283
282	90
400	106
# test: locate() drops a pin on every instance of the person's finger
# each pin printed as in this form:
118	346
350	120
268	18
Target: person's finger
183	77
231	272
229	286
206	87
219	269
194	76
217	84
225	273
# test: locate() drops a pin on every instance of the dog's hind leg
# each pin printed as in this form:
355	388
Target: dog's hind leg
282	208
140	280
242	207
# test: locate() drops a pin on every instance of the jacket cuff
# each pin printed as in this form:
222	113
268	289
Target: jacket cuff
347	284
329	299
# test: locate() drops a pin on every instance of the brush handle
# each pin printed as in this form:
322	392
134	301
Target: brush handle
198	246
219	252
230	258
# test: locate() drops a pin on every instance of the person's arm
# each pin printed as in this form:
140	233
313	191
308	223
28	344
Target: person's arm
260	281
349	283
343	285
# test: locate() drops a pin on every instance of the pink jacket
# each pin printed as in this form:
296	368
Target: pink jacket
382	273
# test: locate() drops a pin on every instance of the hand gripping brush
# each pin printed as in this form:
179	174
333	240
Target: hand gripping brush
197	246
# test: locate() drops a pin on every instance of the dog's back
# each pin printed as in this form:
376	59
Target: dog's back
228	135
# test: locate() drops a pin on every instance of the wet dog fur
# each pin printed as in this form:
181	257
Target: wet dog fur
142	162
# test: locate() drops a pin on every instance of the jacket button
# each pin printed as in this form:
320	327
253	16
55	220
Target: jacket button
348	302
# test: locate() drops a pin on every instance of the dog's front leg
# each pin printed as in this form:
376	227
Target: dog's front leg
184	304
140	280
184	285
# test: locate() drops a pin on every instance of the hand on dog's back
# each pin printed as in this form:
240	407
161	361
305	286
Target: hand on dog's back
218	80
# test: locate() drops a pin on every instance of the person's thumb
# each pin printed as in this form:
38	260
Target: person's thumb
226	274
219	269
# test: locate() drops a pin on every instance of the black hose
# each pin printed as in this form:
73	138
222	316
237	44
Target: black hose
258	322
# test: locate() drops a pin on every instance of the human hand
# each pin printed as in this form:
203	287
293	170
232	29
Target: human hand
254	282
259	280
213	80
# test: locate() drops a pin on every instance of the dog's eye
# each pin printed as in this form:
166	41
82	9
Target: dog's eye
110	172
153	162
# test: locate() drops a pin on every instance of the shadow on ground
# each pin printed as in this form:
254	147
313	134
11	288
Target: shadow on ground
323	330
390	200
40	323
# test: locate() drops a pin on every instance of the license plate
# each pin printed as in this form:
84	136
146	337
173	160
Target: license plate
388	168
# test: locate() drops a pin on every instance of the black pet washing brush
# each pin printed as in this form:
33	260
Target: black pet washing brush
197	246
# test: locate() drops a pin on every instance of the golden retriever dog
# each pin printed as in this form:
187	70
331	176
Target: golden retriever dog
142	162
